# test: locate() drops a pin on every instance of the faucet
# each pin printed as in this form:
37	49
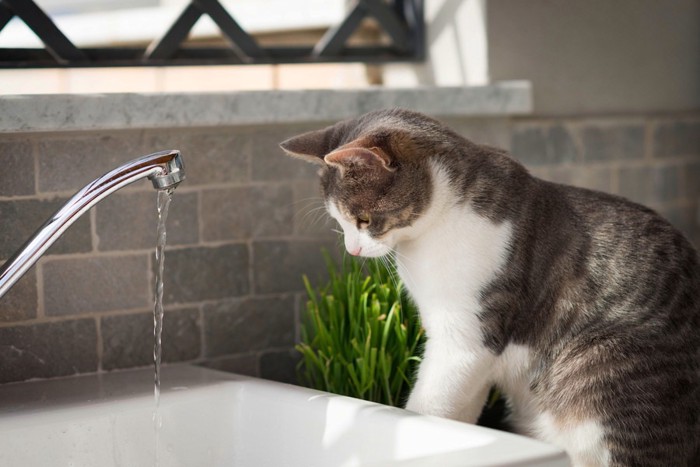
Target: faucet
165	170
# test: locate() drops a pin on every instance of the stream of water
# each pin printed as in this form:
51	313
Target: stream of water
164	198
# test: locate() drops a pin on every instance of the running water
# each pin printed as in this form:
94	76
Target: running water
164	198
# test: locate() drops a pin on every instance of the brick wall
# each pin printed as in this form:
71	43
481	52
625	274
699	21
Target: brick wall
242	230
652	160
239	238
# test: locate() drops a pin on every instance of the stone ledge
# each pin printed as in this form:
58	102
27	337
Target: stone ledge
75	112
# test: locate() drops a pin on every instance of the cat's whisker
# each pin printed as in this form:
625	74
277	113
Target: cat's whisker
312	217
395	273
387	260
399	263
397	254
390	262
308	204
310	200
313	208
340	244
313	211
363	264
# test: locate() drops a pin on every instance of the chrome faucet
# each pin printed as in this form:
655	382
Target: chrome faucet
165	170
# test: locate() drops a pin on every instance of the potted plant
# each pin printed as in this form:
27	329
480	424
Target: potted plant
361	337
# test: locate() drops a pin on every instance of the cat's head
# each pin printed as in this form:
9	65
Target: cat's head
375	179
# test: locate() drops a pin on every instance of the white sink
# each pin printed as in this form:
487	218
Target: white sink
212	419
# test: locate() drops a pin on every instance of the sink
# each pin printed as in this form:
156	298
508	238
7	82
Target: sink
209	418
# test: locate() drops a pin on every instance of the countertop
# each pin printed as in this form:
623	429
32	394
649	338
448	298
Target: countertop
69	112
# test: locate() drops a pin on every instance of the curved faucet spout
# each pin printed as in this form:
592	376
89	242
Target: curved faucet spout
165	169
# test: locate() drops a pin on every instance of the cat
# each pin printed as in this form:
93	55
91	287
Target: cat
581	306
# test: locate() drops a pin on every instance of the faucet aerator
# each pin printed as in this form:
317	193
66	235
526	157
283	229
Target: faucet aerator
169	173
167	181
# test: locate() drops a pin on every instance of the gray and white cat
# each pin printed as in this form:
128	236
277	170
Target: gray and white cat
582	307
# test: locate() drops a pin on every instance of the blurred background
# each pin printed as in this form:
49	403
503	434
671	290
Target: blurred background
138	22
581	56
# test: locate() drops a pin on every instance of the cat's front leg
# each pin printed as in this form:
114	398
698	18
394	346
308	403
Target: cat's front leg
452	382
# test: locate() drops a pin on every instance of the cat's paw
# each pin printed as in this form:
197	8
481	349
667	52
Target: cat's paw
430	406
414	406
434	407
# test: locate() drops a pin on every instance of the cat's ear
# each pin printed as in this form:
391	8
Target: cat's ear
354	156
310	146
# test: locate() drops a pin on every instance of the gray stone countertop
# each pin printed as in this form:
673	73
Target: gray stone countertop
65	112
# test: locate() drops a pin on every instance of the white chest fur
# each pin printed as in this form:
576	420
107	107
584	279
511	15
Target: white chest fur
445	259
448	256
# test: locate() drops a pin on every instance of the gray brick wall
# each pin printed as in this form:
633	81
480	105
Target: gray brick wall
653	160
239	238
243	229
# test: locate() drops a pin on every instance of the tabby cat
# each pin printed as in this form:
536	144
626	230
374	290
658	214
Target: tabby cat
582	307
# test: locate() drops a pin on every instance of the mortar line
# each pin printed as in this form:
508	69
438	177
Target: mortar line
100	344
615	168
202	331
298	301
200	213
96	254
258	363
35	160
94	238
648	141
131	189
41	305
252	286
49	319
145	309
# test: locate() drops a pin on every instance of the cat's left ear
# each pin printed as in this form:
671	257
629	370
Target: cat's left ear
355	155
310	146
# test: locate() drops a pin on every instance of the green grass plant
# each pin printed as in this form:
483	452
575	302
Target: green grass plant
360	336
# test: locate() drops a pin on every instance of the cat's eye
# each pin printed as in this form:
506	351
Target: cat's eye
363	220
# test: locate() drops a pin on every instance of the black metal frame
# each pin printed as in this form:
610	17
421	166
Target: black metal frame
402	20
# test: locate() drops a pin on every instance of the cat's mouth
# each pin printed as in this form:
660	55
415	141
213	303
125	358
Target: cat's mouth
356	252
367	250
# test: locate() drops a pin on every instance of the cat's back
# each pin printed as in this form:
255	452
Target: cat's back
624	330
626	238
630	262
612	214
